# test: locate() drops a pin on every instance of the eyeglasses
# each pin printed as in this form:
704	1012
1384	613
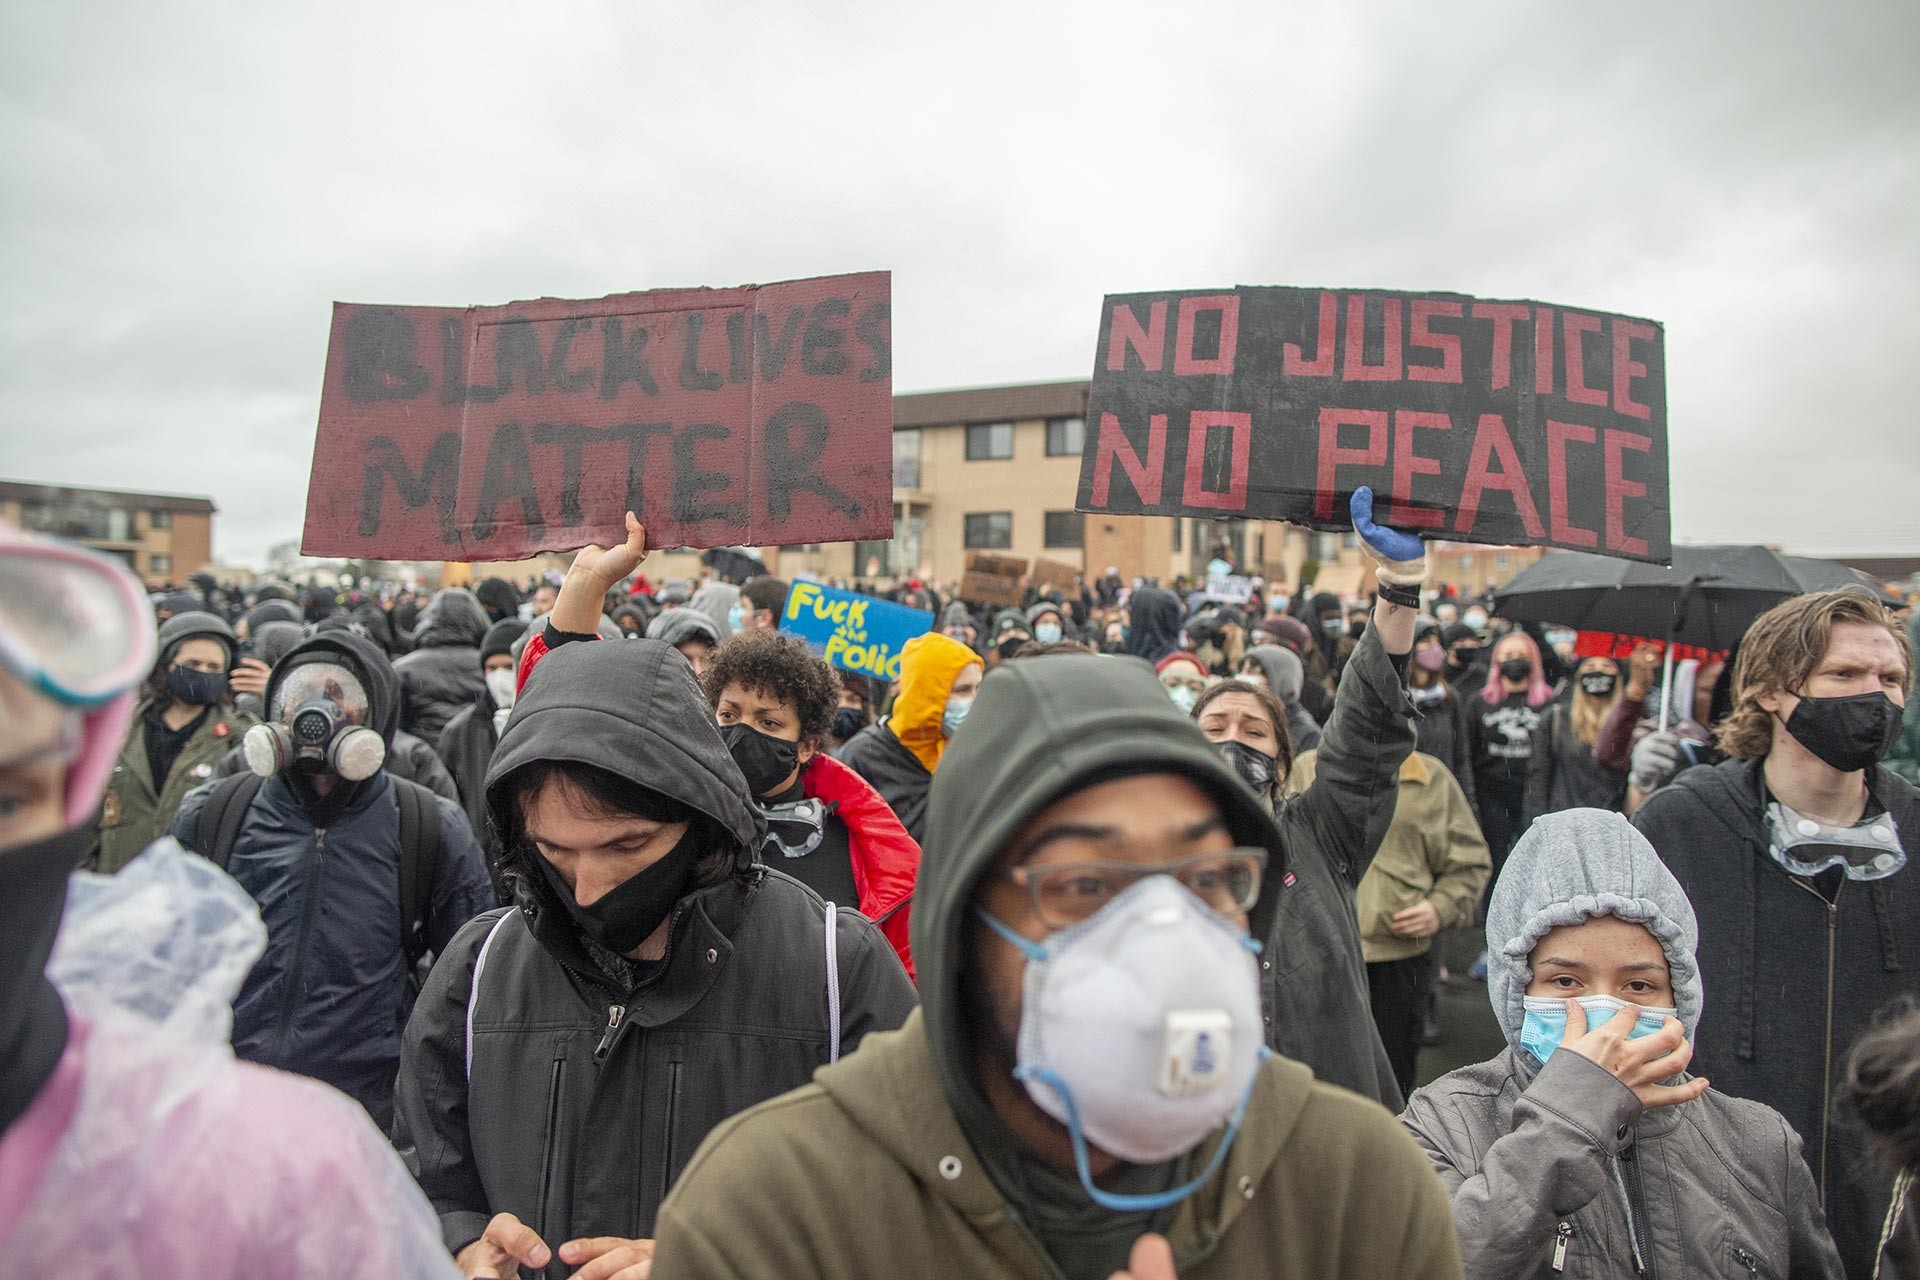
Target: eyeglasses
1066	893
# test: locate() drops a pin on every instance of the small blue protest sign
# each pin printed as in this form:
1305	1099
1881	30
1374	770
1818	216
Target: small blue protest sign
853	632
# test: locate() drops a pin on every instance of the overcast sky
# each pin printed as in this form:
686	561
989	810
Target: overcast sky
187	187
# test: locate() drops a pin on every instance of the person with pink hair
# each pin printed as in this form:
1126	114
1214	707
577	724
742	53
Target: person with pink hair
132	1143
1500	728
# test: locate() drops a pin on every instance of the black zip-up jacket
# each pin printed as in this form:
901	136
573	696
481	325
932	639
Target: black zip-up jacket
585	1096
1562	772
442	674
895	772
1791	979
329	995
1441	732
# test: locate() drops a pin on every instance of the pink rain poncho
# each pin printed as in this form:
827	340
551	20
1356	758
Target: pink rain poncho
152	1151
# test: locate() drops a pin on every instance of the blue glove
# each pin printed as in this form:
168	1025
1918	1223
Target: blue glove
1402	556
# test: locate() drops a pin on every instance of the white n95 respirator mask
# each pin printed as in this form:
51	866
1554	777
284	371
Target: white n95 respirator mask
1141	1030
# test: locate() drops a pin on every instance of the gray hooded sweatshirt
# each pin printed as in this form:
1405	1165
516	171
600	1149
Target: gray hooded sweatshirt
1560	1169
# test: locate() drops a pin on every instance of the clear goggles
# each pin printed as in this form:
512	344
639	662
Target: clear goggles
74	625
1868	850
323	681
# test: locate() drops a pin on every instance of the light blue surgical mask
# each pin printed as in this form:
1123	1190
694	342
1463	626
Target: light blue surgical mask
1183	698
735	616
955	713
1047	633
1545	1022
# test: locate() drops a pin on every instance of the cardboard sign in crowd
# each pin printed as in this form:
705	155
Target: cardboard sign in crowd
761	415
853	632
1512	423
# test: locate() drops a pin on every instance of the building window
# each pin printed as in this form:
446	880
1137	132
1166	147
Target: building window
1179	527
1500	560
1065	529
987	441
906	458
160	564
989	531
1066	438
160	519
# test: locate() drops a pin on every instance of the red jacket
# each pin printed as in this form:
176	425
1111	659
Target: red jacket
886	860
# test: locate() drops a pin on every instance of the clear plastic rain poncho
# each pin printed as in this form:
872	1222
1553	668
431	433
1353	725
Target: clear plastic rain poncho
178	1160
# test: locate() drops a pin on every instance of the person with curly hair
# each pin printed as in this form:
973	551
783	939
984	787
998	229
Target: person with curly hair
826	825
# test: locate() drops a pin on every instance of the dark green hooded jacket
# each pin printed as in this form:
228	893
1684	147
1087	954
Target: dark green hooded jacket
892	1163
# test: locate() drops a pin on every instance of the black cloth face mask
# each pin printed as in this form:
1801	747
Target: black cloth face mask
196	688
766	761
626	916
1598	683
1256	768
1848	734
1516	669
848	721
33	1021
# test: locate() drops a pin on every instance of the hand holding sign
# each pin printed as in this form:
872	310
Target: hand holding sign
596	571
1401	557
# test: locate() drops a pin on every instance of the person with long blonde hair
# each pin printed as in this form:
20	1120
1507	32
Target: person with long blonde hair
1563	773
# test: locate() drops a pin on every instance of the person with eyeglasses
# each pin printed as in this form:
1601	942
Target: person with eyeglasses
1089	1083
185	725
1795	853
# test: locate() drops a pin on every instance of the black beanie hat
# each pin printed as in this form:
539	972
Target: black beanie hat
500	637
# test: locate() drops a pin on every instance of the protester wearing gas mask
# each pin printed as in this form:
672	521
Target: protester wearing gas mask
898	755
1086	1086
1586	1149
568	1054
467	743
1795	853
826	826
184	724
132	1143
357	874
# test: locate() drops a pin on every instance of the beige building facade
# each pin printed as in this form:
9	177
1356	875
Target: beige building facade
163	537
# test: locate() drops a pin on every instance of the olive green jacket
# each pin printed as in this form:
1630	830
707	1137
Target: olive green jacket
137	812
865	1174
1433	852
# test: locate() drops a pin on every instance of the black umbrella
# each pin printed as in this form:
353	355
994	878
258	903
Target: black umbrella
734	564
1707	597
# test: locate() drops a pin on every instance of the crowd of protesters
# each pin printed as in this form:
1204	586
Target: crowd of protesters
598	928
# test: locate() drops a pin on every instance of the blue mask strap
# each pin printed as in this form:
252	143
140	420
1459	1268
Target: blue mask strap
1156	1200
1025	946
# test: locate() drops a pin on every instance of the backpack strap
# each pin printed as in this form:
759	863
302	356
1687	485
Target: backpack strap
480	967
222	816
419	855
833	985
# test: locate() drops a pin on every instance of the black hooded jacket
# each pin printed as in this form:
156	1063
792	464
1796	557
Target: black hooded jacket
1791	979
328	996
534	1083
442	674
1153	626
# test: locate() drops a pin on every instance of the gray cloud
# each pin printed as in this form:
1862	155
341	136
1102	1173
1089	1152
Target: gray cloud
188	187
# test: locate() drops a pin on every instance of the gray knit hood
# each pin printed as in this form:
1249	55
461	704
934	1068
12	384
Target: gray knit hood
1285	674
1568	867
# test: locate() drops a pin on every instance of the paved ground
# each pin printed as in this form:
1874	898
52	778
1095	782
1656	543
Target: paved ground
1466	1019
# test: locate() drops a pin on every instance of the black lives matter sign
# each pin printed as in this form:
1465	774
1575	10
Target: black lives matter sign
759	415
1511	423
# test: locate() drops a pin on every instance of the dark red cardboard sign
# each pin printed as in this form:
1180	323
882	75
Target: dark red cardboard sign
761	415
1512	423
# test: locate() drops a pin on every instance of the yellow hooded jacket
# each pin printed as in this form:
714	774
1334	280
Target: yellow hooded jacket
929	665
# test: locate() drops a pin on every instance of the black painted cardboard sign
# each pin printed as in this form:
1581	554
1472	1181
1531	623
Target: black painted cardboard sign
761	415
1473	420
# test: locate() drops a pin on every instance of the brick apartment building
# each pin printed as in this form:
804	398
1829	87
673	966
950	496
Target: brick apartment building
163	537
